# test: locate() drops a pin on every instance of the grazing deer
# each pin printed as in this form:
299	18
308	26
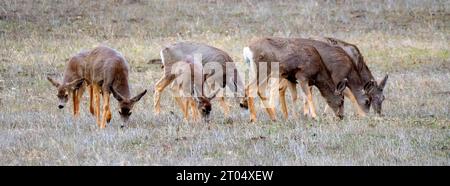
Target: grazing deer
373	89
297	62
225	74
73	84
106	70
188	80
336	61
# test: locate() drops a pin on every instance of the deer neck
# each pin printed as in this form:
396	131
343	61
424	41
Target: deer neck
355	84
324	83
366	74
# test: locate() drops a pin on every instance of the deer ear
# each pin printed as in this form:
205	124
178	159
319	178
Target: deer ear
370	86
116	94
213	95
53	81
139	96
383	82
75	84
340	87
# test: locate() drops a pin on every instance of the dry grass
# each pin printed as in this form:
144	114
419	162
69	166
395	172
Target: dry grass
407	39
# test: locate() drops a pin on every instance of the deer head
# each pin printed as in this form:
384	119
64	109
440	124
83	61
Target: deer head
375	93
204	102
126	104
64	89
336	101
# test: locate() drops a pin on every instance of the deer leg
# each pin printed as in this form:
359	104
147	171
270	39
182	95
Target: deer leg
97	104
269	109
75	103
159	87
349	94
91	99
250	89
283	87
105	108
308	92
195	114
224	105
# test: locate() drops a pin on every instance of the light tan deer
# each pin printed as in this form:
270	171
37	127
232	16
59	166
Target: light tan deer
178	52
73	83
188	91
107	71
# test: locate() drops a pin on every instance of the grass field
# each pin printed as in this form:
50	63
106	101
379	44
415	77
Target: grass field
409	40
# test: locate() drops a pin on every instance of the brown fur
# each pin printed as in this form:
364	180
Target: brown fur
105	70
178	52
373	89
297	63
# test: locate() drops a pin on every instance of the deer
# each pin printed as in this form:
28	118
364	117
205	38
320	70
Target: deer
297	63
373	89
336	61
105	70
187	89
73	84
224	73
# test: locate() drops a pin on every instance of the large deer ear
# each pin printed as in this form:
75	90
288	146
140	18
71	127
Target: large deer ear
340	87
75	84
370	86
53	81
383	82
116	94
213	95
138	97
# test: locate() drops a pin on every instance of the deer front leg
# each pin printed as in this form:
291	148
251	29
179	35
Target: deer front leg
224	106
97	104
159	87
194	110
283	87
75	103
105	109
91	99
349	94
307	89
262	94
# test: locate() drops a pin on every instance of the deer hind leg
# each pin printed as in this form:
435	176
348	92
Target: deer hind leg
105	109
309	98
349	94
159	88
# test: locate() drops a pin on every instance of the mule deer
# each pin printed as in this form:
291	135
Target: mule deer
107	72
297	63
188	80
373	89
220	75
73	83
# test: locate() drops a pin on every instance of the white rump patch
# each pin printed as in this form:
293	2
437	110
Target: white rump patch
162	56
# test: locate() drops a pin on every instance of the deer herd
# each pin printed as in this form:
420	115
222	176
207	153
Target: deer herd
198	73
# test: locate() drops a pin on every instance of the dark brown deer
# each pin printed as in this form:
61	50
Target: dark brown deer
179	51
73	83
340	66
106	70
373	89
298	62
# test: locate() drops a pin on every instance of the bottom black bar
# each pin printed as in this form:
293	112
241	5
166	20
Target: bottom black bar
226	175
